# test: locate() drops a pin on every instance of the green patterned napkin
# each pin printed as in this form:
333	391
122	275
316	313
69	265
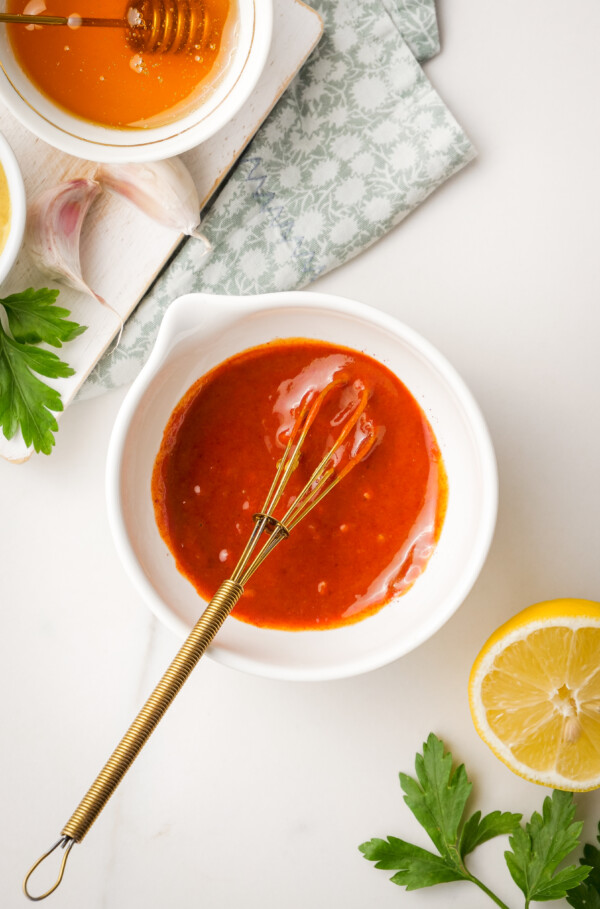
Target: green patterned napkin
357	142
417	23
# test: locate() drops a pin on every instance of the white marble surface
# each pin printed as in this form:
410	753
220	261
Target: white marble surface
255	793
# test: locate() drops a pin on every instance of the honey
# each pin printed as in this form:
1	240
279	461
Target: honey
95	74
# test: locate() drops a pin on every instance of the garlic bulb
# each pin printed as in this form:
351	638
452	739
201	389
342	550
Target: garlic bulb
54	220
163	190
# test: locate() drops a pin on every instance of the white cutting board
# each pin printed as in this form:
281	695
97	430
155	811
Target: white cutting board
122	251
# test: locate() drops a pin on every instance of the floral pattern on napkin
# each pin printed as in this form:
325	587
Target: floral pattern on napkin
357	142
416	21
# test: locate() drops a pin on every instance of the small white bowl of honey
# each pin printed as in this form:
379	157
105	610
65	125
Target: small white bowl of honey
12	208
131	80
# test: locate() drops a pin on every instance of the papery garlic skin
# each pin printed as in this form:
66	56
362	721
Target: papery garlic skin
163	190
54	221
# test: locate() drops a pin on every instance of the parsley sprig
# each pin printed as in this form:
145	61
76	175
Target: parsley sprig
538	850
26	402
438	799
587	894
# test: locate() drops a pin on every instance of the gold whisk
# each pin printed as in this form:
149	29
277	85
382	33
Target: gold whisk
152	26
334	465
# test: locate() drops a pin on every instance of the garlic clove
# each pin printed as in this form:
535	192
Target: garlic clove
54	221
163	190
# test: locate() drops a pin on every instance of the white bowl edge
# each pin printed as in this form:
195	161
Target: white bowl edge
16	190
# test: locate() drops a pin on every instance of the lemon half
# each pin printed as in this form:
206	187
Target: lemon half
534	693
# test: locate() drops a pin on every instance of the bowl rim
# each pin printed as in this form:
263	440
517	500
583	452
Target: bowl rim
346	307
151	145
18	207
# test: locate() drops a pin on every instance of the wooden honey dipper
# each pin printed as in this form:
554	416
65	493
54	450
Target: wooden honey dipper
151	26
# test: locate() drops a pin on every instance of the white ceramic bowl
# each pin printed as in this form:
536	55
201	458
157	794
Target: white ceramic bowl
18	209
94	142
198	332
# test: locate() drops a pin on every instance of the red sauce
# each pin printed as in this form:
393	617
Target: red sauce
366	542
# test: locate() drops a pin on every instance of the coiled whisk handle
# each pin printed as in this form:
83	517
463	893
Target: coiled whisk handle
145	722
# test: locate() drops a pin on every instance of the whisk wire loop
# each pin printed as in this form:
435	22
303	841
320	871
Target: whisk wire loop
317	486
67	843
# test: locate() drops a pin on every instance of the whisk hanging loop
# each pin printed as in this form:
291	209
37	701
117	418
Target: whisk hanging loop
67	844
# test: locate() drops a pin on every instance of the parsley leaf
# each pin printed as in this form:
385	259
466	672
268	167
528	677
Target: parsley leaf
416	867
538	849
27	403
478	830
33	316
438	798
438	803
587	894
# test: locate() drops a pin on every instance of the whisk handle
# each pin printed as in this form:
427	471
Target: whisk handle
153	710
